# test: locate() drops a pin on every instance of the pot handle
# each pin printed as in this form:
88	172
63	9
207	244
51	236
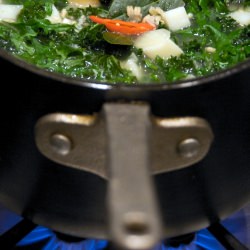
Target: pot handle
133	210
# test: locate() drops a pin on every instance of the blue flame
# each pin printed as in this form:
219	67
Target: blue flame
190	246
44	235
53	243
7	219
237	224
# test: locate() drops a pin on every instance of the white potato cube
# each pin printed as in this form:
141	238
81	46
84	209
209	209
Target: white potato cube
241	16
132	64
55	16
157	43
9	12
151	37
177	19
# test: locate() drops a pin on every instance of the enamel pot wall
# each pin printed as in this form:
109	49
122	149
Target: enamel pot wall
132	164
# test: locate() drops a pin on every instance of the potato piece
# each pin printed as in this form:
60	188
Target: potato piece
132	64
9	12
177	19
157	43
85	3
241	16
55	16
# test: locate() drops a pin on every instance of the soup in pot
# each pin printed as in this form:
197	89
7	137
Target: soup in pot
128	41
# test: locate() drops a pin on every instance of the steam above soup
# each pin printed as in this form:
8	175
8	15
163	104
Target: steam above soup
123	42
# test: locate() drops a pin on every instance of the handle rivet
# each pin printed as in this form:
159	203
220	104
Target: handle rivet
61	144
189	147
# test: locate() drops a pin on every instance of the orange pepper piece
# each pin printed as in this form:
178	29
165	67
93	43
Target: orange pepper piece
120	26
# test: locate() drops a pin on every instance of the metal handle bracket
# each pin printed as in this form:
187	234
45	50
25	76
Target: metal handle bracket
80	141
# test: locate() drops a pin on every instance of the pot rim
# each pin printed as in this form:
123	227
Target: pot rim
126	87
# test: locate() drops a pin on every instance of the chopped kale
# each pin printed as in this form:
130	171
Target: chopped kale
81	50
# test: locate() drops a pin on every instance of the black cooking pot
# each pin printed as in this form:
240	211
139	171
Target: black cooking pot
196	132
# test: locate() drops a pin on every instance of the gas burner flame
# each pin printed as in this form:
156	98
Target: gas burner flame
51	242
238	224
190	246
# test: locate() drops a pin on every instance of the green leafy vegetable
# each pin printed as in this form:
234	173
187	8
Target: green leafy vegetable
86	50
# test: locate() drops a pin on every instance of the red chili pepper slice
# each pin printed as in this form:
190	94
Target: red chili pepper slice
120	26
